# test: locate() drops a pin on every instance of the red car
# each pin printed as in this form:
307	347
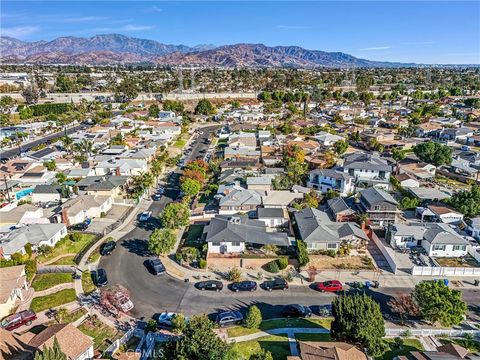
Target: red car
14	321
332	286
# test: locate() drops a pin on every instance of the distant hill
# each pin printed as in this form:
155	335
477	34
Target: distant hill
121	49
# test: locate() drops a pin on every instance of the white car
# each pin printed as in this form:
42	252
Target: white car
144	216
165	319
122	302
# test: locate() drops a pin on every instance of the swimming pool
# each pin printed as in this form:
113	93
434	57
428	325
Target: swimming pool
22	193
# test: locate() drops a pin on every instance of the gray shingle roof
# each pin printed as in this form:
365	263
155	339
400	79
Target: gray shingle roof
47	189
440	233
331	174
368	161
373	196
338	205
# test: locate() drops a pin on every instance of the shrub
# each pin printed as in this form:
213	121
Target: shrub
234	275
282	263
288	276
178	323
254	317
75	236
398	342
202	264
332	253
302	253
272	267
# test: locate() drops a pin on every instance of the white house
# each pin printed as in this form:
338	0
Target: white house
127	167
46	193
78	209
166	114
329	179
446	214
273	217
474	228
327	139
368	168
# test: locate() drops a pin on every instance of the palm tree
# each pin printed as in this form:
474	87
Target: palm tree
362	219
147	181
156	169
87	146
67	142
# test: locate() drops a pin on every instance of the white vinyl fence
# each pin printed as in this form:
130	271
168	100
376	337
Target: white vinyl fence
445	271
429	332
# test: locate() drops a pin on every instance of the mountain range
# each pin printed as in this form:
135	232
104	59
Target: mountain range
121	49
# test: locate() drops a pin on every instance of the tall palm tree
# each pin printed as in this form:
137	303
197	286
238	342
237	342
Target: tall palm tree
87	147
156	169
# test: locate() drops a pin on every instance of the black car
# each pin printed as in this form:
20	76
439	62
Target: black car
210	285
244	286
100	277
81	227
156	266
107	248
229	318
296	310
277	284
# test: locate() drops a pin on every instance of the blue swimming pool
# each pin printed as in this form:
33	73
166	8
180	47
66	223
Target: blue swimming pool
22	193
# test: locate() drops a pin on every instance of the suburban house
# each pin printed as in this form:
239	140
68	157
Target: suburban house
12	282
316	350
445	214
339	210
449	351
73	343
368	168
21	214
417	169
273	217
243	140
381	207
46	193
263	182
329	179
240	201
327	139
438	240
316	229
126	167
77	210
106	185
34	234
232	234
280	198
231	153
428	194
473	227
406	181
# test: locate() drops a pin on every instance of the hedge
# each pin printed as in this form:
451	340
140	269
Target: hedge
46	109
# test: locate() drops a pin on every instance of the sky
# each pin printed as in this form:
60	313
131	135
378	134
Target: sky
430	32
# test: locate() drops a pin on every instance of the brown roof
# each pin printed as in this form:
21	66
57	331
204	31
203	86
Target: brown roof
71	340
453	349
12	346
129	356
442	209
403	176
330	350
12	277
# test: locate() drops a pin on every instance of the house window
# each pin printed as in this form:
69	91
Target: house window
331	246
459	247
439	247
376	207
215	244
236	243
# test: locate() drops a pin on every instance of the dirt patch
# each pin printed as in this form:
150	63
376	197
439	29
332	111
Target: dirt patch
345	262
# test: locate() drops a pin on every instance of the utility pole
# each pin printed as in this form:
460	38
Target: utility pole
6	188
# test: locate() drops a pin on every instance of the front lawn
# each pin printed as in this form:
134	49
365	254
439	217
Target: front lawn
46	281
180	143
408	345
276	344
467	261
65	260
313	337
280	323
68	246
71	317
53	300
102	334
87	283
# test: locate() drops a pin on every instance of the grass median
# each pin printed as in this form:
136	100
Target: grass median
53	300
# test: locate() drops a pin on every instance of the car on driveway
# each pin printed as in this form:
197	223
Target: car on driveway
277	284
100	277
331	286
229	318
165	319
156	266
107	248
212	285
157	196
244	286
14	321
144	216
296	310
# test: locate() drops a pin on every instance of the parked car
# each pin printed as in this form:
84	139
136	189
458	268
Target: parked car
229	318
325	310
14	321
107	248
210	285
244	286
144	216
277	284
100	277
79	227
165	319
331	286
296	310
156	266
157	196
122	302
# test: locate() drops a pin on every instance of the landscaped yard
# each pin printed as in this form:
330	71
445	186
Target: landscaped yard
408	345
71	317
471	345
280	323
102	334
276	344
192	234
345	262
65	260
180	143
87	283
191	249
46	281
67	246
56	299
467	261
313	337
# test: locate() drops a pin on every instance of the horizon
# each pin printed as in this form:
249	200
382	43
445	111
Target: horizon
444	32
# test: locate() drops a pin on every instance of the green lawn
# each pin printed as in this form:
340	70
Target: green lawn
56	299
71	317
276	344
408	345
192	234
313	337
94	257
66	260
87	283
46	281
67	246
280	323
102	334
180	143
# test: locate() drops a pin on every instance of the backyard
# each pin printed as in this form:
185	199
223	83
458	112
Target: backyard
276	344
192	247
393	352
102	334
46	281
53	300
68	247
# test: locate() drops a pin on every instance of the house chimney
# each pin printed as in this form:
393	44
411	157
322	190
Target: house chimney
65	219
117	171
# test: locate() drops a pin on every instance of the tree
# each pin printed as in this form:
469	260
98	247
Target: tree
199	342
398	155
364	82
193	175
61	314
50	165
404	306
31	94
161	241
190	187
179	323
262	355
127	89
340	147
433	153
25	113
467	201
254	317
358	319
204	107
53	353
153	111
6	103
366	97
438	303
311	199
172	105
408	202
302	253
175	215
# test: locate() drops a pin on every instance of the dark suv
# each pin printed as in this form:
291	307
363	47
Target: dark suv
100	278
210	285
296	310
107	248
277	284
14	321
229	318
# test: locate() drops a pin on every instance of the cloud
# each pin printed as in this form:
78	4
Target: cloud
156	8
19	31
85	19
126	28
419	43
376	48
293	27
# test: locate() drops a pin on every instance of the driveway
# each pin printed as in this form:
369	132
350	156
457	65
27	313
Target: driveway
98	225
